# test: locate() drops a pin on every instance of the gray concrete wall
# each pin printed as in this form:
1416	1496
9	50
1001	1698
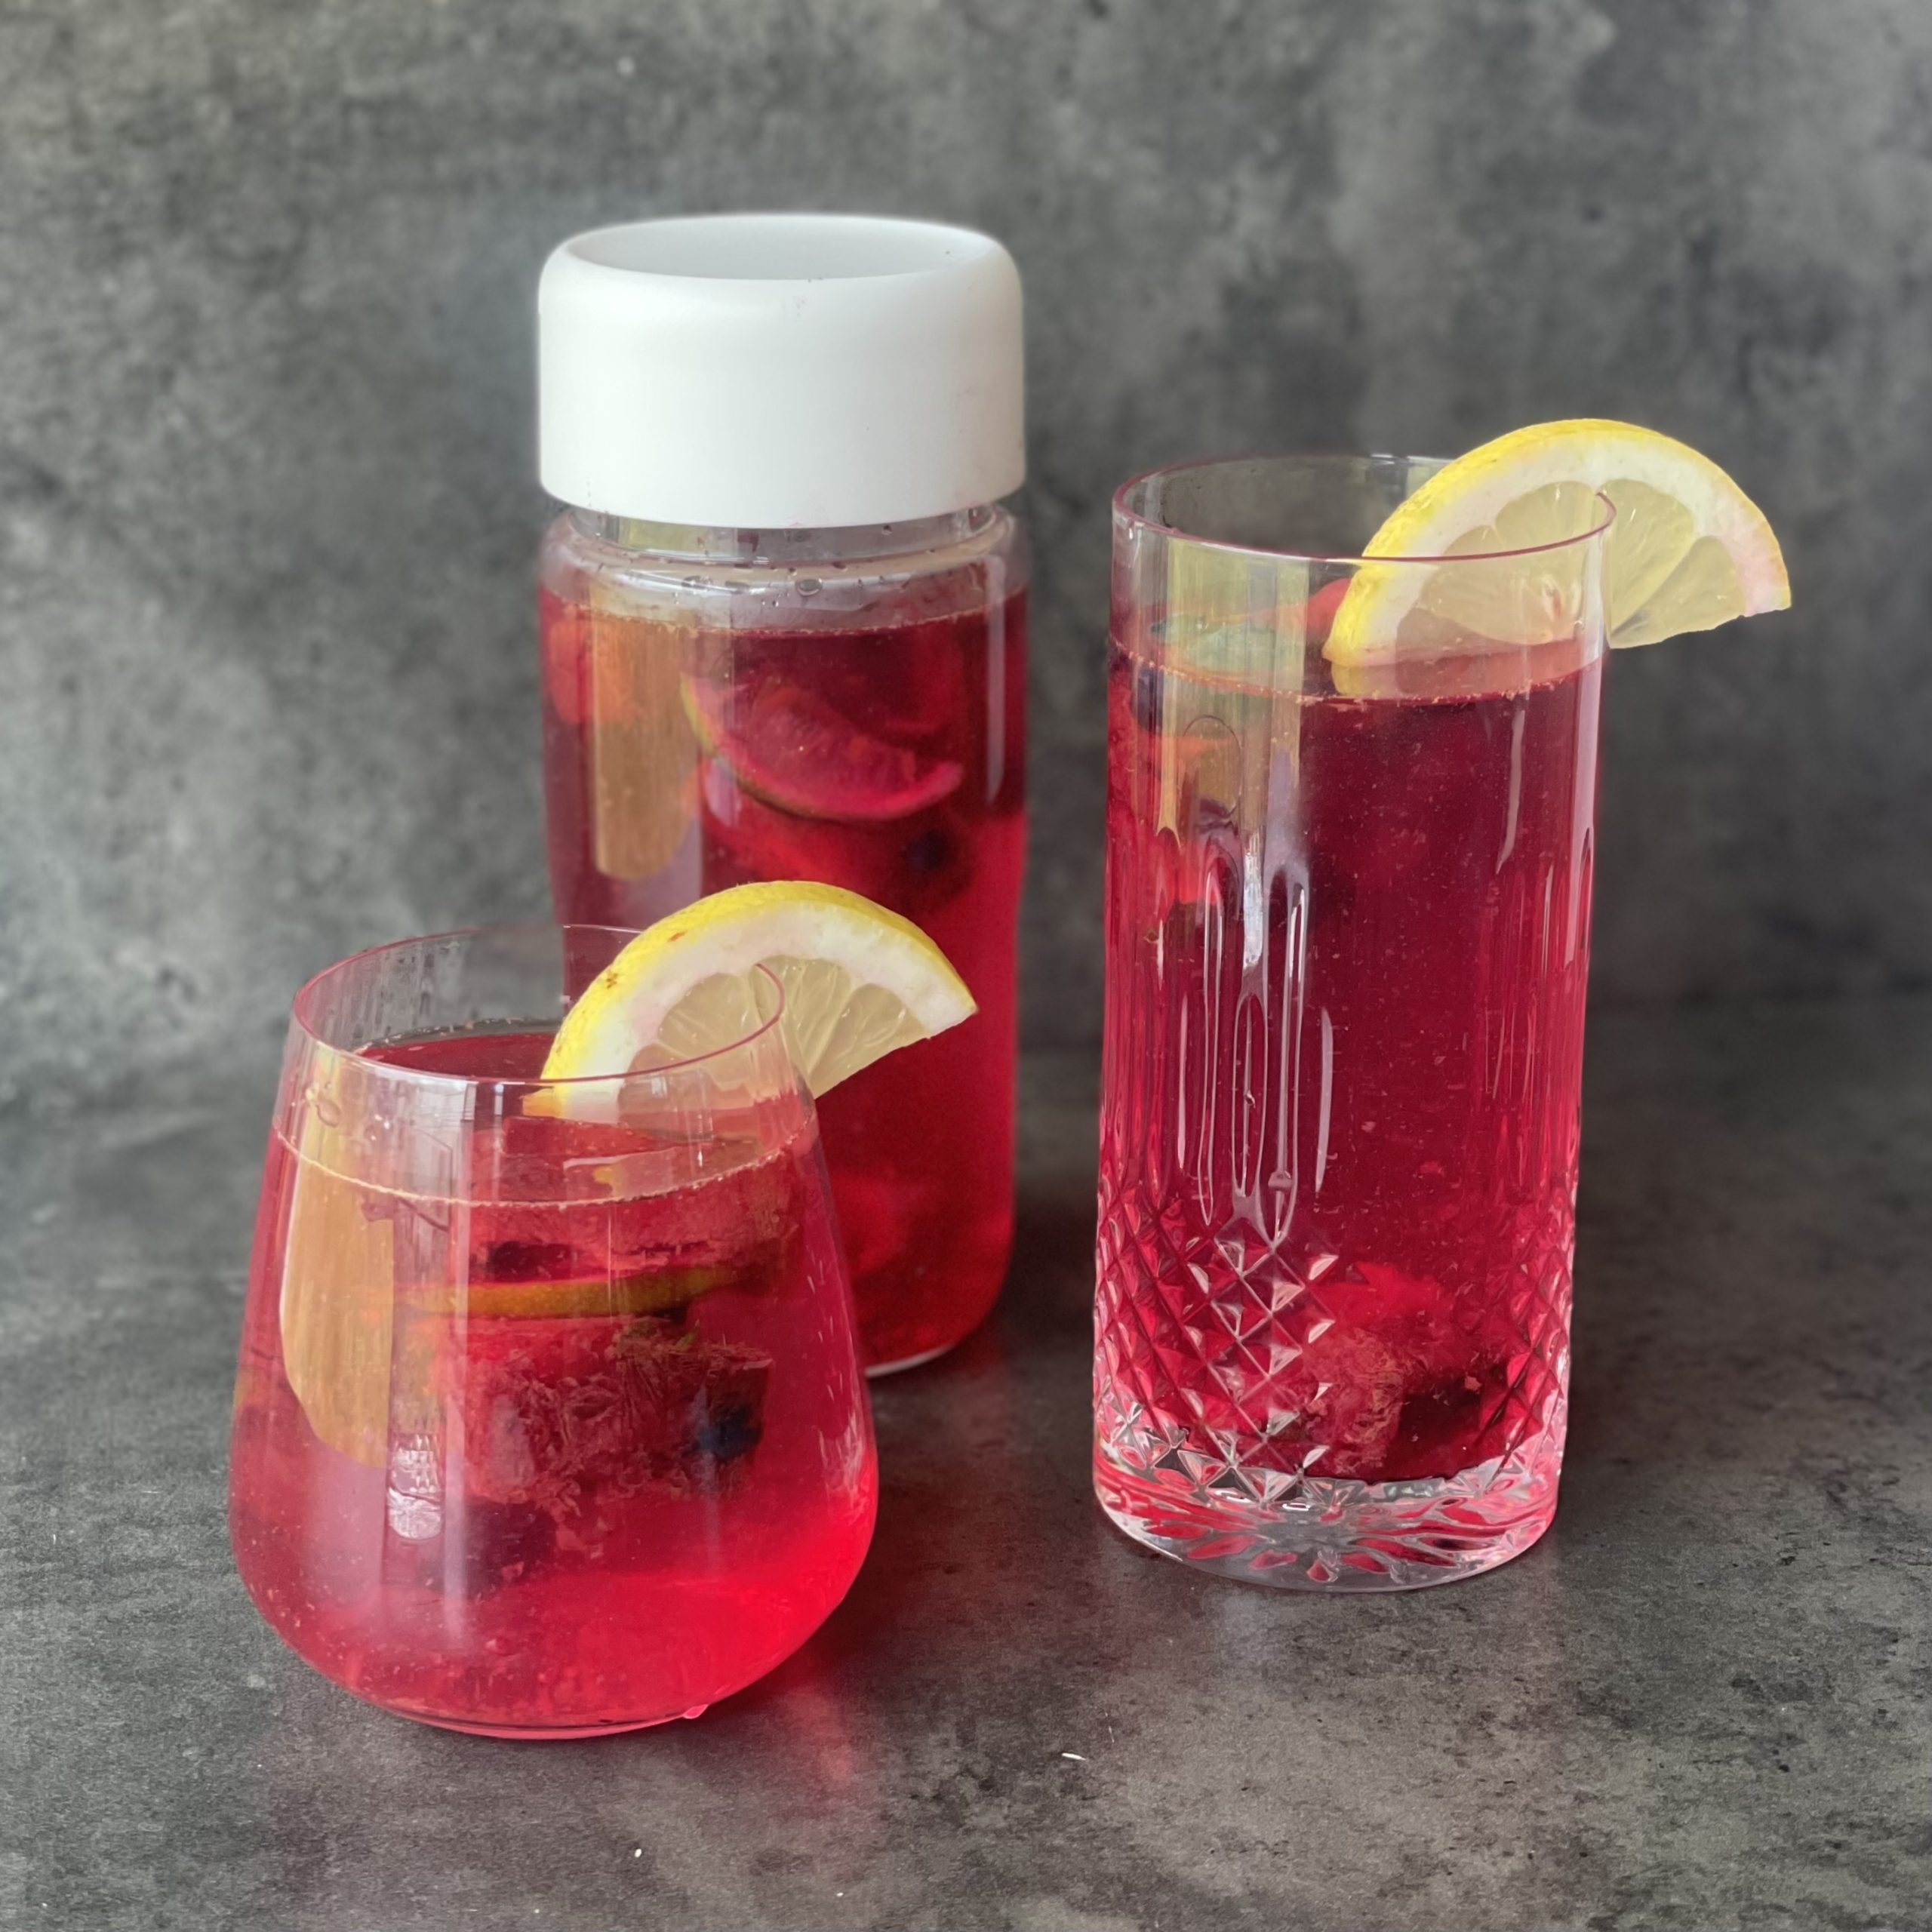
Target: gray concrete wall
267	509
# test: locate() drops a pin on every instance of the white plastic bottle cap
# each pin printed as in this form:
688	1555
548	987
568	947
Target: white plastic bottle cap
769	371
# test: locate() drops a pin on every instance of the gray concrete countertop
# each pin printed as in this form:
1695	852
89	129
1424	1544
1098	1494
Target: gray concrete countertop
1705	1700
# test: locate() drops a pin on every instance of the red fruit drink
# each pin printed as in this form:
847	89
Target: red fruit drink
1339	1145
784	639
558	1449
885	754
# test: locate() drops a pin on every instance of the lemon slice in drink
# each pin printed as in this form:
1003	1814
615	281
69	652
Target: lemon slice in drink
859	982
1688	550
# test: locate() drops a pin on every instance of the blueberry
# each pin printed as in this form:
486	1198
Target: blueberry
728	1434
932	851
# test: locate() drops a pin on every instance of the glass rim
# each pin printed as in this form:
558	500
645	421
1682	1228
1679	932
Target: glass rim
299	1018
1125	512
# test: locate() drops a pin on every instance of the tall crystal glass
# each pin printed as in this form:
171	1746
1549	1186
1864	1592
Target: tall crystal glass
549	1420
1348	896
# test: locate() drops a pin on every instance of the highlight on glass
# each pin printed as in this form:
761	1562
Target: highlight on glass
549	1420
1350	835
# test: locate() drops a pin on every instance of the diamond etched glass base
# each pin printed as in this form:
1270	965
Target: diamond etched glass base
1329	1534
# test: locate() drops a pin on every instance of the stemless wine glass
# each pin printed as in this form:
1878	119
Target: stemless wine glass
1350	827
549	1420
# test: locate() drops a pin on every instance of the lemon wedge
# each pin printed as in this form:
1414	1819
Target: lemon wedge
338	1289
859	982
343	1270
1688	550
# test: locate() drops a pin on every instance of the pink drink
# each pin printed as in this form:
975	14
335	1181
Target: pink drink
784	638
886	756
1347	945
538	1455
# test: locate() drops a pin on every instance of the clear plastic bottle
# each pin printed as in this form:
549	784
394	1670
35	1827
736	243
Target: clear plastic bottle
784	637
